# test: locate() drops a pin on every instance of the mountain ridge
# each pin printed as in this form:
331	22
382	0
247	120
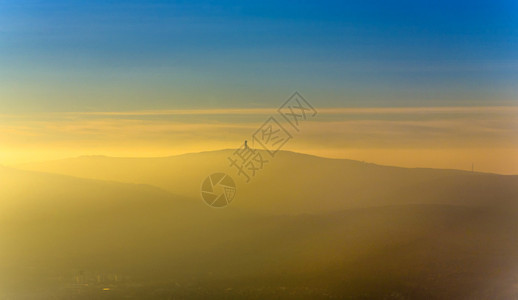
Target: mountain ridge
298	183
230	150
310	227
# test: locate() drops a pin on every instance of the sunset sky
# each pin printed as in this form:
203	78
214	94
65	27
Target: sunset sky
413	84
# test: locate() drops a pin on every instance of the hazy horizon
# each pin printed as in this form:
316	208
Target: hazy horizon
28	163
430	137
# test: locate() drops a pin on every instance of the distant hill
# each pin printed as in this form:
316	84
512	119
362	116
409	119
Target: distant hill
298	183
160	245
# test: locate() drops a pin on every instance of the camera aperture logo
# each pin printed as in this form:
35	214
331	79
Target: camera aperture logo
218	190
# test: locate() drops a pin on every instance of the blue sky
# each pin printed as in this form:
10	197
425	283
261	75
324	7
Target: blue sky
133	55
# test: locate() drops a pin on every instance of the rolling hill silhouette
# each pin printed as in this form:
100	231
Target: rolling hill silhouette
366	231
299	183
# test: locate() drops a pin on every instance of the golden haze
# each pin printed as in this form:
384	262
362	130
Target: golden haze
437	137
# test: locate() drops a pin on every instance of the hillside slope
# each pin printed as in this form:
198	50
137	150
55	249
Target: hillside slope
53	227
298	183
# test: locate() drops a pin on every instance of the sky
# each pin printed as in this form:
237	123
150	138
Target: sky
132	55
61	59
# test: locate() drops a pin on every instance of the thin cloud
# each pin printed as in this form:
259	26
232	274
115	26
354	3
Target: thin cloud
141	133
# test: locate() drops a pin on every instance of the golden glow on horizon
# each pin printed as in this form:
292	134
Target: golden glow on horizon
439	137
